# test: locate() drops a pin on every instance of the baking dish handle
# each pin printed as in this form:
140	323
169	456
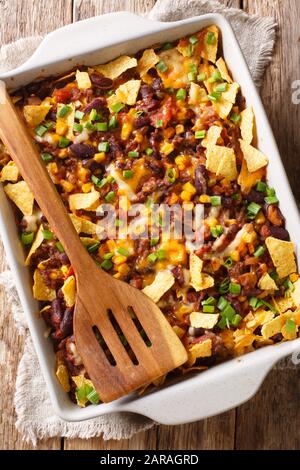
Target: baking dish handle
78	38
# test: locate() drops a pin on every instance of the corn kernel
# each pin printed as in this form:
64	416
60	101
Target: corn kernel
139	137
189	188
86	187
117	275
83	174
179	129
294	277
52	168
182	161
111	245
63	153
204	198
186	196
126	130
249	237
61	128
53	275
119	259
64	269
123	269
212	222
99	157
67	186
55	138
235	255
167	148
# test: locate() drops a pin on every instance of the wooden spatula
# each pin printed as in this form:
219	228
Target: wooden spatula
104	305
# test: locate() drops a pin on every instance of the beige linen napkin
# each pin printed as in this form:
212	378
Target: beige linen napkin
35	416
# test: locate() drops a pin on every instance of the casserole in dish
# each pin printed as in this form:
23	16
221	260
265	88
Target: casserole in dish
181	33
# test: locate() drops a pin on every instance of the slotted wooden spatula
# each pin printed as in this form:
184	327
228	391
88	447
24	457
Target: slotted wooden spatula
102	301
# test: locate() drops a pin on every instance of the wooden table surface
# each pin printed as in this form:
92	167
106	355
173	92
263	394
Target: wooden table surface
271	419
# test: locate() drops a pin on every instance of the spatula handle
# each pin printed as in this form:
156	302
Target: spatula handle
25	154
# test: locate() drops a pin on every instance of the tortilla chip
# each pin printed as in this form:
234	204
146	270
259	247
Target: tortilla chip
116	67
223	107
40	290
69	291
273	327
247	180
64	125
87	201
21	195
247	125
222	67
231	92
296	293
283	257
209	51
126	93
202	349
267	283
76	222
10	172
204	320
80	381
148	60
83	80
35	114
163	281
282	304
212	136
227	166
214	156
63	377
198	280
258	318
254	158
197	95
39	238
289	335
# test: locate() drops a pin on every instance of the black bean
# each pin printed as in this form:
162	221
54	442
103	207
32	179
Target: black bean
98	104
256	196
66	325
83	150
200	179
279	232
99	81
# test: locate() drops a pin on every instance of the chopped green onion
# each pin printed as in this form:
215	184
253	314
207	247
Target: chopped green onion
216	231
47	157
133	154
272	200
110	196
193	40
171	175
270	192
154	241
222	303
122	251
109	92
193	68
216	76
210	38
128	174
167	46
101	126
161	255
229	312
149	151
215	200
77	127
200	134
48	124
221	87
27	238
79	114
234	288
222	323
152	257
228	262
64	110
236	320
83	391
108	255
117	107
191	76
235	118
261	187
63	142
94	247
208	301
214	96
47	234
255	303
224	286
106	264
252	210
259	251
159	123
201	77
93	114
93	397
290	326
103	146
59	247
181	94
41	130
208	309
190	50
162	66
267	304
113	122
90	126
95	180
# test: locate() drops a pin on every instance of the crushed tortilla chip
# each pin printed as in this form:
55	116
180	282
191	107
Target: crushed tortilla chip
80	381
277	325
231	92
267	283
198	280
209	51
258	318
247	125
295	294
223	107
116	67
212	136
247	180
35	114
64	125
126	93
77	222
282	254
214	156
227	166
40	290
202	349
148	60
39	238
21	195
87	201
254	158
197	95
63	377
10	172
222	67
69	291
83	80
163	281
282	304
204	320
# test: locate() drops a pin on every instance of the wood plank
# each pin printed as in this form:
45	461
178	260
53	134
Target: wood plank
86	8
19	19
276	427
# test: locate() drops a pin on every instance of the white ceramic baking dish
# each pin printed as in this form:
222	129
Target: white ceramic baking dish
222	387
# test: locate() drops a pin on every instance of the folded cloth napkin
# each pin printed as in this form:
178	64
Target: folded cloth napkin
35	416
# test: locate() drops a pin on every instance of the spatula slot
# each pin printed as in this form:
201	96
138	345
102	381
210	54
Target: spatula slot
122	337
104	346
139	327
